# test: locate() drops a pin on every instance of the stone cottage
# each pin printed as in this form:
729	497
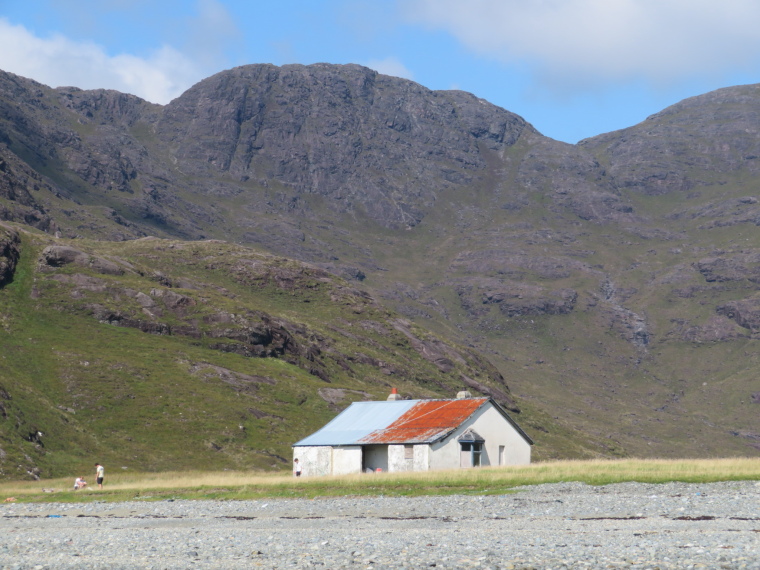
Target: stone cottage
414	435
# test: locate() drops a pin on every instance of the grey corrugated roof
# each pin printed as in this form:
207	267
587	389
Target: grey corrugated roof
357	421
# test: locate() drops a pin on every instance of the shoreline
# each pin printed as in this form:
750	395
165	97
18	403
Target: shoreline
636	525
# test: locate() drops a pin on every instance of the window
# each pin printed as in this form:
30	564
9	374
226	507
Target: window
408	452
476	450
502	458
471	449
470	454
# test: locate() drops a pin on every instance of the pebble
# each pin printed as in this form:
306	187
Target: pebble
558	526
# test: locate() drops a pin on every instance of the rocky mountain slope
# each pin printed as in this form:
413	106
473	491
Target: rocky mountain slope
612	283
159	354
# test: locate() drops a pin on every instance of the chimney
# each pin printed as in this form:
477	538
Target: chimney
394	395
463	395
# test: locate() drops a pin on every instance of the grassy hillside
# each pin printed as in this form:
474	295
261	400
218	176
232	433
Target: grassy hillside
156	354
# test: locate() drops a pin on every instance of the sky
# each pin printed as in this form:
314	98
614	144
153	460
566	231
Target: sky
572	68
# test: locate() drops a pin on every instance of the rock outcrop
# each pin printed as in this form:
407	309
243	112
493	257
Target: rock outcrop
745	312
9	254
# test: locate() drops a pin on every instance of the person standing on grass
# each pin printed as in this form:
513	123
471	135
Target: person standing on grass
297	468
99	471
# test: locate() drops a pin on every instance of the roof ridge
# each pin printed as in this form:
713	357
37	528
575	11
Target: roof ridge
423	415
448	401
420	400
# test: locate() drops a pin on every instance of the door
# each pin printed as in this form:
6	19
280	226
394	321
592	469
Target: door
465	455
375	458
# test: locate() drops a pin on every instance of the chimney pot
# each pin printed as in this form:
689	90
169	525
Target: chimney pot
394	395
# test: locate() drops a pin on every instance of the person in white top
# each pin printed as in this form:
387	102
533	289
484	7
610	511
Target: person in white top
99	474
297	467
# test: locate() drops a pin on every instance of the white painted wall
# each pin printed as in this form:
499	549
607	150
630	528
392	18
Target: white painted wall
445	454
347	459
495	429
399	462
421	457
517	450
397	459
315	460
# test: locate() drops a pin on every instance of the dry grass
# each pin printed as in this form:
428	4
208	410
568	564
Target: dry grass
151	481
600	472
247	485
593	472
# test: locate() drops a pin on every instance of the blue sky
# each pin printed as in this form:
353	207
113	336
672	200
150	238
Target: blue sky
572	68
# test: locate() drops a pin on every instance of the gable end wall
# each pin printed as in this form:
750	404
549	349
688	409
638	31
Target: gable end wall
495	429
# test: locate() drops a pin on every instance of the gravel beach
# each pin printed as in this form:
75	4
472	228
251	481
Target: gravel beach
566	525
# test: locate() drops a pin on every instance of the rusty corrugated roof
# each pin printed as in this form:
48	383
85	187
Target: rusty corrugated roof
426	421
399	422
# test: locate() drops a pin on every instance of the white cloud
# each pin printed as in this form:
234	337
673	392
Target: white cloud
390	66
661	41
59	61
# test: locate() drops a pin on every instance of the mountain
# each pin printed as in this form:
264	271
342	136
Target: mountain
612	283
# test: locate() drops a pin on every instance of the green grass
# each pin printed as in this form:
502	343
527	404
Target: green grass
158	402
484	481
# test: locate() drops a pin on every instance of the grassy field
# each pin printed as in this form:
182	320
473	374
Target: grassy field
254	353
236	485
